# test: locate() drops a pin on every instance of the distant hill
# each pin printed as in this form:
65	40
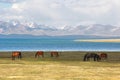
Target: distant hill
66	36
82	31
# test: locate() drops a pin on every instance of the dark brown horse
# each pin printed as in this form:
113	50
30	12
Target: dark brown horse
16	54
39	53
103	56
91	55
54	53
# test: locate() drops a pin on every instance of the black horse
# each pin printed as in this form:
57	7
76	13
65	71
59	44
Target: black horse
95	57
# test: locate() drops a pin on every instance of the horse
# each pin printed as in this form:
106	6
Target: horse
95	57
54	53
103	56
16	54
39	53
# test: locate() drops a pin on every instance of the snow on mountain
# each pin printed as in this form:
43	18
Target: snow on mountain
16	27
97	29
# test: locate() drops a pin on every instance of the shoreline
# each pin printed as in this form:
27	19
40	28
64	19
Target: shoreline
57	51
99	40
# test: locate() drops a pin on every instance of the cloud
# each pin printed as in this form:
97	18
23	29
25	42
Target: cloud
58	13
9	1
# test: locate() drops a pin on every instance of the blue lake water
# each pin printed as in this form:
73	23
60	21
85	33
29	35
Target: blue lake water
53	44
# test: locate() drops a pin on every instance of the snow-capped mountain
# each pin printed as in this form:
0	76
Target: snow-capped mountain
16	27
95	29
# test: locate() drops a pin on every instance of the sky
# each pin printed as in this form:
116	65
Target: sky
62	12
66	15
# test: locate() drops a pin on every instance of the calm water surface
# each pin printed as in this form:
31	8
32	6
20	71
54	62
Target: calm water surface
53	44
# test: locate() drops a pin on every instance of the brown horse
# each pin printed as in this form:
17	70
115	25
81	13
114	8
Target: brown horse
103	56
16	54
39	53
54	53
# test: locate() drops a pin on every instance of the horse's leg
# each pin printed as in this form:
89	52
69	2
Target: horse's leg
13	57
85	57
103	58
51	55
88	59
20	55
94	58
57	55
36	55
98	58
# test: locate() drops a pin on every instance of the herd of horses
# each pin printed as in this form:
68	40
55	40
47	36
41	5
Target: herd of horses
87	57
37	54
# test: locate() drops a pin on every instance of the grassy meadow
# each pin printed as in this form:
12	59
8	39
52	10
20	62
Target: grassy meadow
69	66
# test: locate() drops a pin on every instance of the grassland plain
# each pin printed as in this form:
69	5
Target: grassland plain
69	66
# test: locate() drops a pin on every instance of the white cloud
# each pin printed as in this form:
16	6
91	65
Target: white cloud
90	7
10	1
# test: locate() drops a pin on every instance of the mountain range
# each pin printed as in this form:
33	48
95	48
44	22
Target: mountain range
15	27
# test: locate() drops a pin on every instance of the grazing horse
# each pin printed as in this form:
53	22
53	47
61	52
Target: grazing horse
16	54
103	56
54	53
39	53
95	56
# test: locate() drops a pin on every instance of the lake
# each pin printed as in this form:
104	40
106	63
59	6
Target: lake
55	44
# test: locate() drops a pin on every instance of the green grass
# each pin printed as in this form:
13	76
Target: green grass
68	66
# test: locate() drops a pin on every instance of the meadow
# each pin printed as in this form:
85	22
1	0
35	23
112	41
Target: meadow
68	66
